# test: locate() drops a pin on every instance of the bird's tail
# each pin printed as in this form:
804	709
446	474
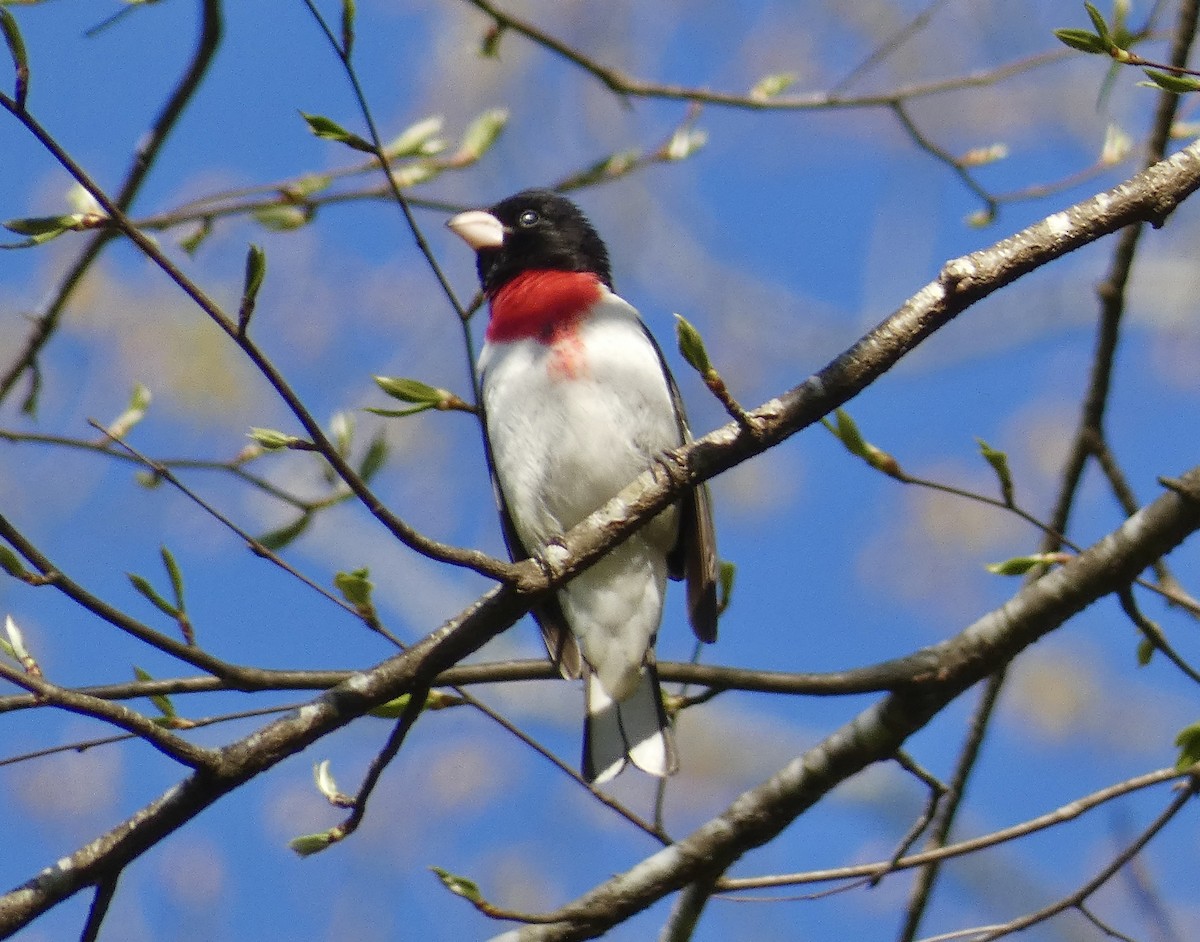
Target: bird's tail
635	730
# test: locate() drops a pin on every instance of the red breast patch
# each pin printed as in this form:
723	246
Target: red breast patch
541	305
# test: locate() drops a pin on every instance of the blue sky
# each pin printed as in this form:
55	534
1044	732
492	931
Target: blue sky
783	239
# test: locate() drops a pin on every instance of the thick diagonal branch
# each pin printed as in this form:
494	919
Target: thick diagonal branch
760	814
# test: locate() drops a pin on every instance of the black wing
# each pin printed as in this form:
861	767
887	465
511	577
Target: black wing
694	556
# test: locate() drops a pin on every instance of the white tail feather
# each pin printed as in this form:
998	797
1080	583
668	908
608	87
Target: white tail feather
634	729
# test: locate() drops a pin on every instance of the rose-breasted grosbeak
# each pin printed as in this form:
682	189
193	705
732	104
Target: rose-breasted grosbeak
577	402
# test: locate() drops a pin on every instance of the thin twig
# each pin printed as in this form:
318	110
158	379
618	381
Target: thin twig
46	323
409	536
114	714
937	790
1154	634
922	890
625	85
256	546
1090	432
889	46
939	153
384	757
1068	812
685	913
1073	900
105	891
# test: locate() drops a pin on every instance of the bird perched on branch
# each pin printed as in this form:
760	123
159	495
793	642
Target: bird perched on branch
577	402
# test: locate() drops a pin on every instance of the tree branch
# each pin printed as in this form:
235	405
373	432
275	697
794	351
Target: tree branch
877	733
622	84
122	717
1068	812
46	324
406	534
761	813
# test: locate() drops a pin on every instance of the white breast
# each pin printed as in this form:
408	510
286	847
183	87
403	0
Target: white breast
569	427
571	424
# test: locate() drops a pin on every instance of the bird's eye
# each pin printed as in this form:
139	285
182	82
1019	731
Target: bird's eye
528	218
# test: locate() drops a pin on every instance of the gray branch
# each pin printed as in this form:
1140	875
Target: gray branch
759	815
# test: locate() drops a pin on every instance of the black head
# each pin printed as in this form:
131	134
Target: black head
542	230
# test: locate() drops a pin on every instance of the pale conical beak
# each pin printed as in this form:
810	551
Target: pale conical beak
478	229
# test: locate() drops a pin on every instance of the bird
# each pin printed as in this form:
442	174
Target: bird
577	401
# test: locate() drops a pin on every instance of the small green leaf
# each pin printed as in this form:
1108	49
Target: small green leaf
193	240
999	462
348	13
273	440
309	844
256	269
1098	22
1120	13
284	217
278	539
399	413
139	402
148	479
691	346
417	140
416	173
341	430
459	886
1178	84
607	168
307	185
11	563
1118	145
324	127
851	437
33	240
1188	742
148	592
490	47
45	226
42	229
393	709
29	405
175	575
481	134
411	390
726	574
164	704
329	130
83	201
1019	565
16	641
140	398
16	49
323	777
846	431
771	85
1145	651
1082	40
683	143
355	587
374	459
982	156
